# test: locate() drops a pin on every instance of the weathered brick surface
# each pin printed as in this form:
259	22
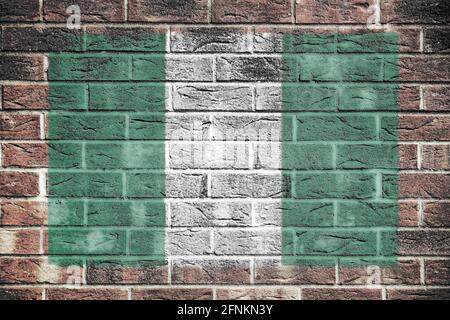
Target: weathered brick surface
22	67
19	11
86	294
172	294
332	11
414	11
11	293
253	144
91	10
25	155
23	213
436	272
235	11
191	11
257	294
436	214
25	97
341	294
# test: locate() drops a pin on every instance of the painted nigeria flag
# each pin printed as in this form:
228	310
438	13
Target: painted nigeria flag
292	154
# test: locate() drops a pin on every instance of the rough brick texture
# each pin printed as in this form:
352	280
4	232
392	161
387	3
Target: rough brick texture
182	101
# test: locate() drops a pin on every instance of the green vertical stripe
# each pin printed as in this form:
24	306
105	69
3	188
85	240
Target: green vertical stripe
106	180
343	205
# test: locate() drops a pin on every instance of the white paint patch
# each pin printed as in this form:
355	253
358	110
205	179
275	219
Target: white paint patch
7	241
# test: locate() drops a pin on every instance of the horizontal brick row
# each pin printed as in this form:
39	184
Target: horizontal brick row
202	214
214	271
320	245
225	97
223	39
223	11
236	68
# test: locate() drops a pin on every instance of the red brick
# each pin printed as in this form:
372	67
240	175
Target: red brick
172	294
211	271
273	272
19	126
424	68
86	294
436	157
26	270
257	294
25	155
333	11
423	242
25	97
340	294
437	272
22	67
409	214
409	97
121	273
20	293
19	184
25	241
425	128
408	156
191	11
424	185
23	213
91	10
437	98
418	294
270	11
437	214
407	272
19	11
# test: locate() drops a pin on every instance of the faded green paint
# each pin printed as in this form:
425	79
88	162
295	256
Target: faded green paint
106	182
340	97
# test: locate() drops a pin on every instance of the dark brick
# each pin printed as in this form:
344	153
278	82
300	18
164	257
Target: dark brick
21	67
86	294
340	294
42	39
270	11
418	294
20	293
415	11
437	40
91	10
117	271
190	11
437	214
423	68
19	10
172	294
437	272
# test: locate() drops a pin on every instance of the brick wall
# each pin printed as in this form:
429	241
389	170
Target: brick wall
221	110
